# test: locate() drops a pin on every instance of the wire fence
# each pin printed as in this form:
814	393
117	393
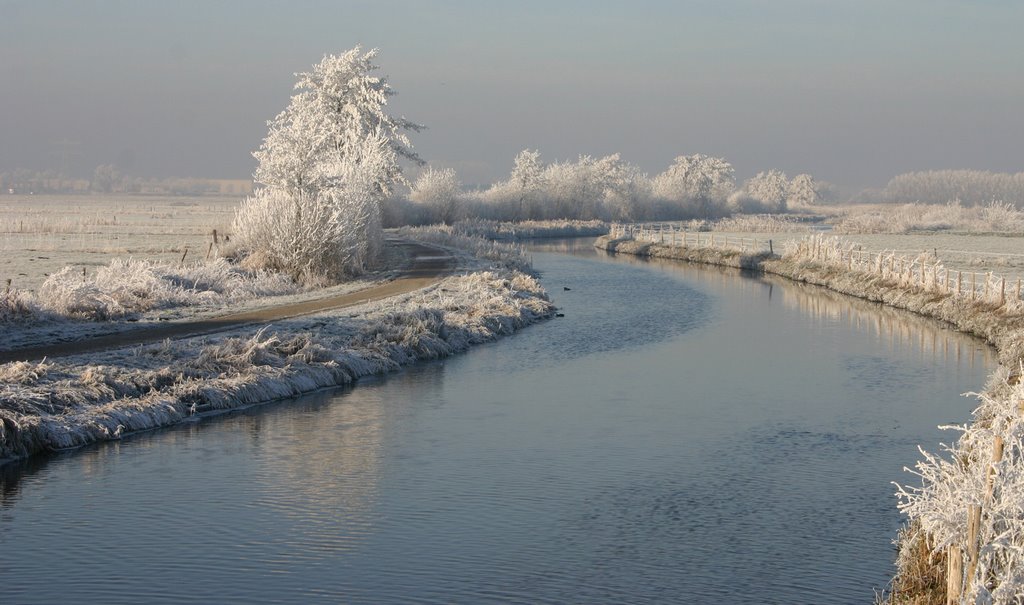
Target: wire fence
924	271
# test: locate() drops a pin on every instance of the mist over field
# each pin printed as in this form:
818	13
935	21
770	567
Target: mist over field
851	92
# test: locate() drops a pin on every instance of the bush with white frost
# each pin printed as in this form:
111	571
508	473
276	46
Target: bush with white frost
698	183
440	191
325	166
128	287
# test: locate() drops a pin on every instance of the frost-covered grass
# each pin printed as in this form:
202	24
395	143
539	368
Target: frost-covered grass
994	217
973	476
52	405
128	287
41	234
470	246
751	223
530	229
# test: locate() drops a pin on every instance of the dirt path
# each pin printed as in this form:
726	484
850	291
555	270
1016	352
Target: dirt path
428	266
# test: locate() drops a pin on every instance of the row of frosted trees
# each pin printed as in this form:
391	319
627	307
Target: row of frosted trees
694	186
970	187
329	177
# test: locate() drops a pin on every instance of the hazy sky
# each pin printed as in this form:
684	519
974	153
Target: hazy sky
853	92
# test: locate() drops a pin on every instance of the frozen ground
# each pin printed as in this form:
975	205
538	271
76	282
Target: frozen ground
41	234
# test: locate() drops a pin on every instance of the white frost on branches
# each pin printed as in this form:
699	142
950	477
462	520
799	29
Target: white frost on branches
441	192
326	164
697	182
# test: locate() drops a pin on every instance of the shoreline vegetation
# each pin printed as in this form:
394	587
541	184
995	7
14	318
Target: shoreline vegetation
67	403
965	535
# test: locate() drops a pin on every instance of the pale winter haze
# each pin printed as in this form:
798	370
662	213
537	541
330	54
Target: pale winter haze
852	92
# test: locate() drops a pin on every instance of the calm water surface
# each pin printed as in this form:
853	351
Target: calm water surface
683	435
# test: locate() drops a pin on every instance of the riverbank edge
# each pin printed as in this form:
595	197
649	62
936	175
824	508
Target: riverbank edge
70	403
921	573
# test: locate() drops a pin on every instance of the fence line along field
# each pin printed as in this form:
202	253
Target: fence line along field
966	252
41	234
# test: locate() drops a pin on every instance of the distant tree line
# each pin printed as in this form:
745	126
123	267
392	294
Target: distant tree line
607	188
969	187
107	178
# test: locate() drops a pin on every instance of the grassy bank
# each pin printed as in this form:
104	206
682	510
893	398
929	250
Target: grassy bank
965	533
76	401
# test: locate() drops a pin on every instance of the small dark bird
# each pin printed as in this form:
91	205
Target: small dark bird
566	288
559	314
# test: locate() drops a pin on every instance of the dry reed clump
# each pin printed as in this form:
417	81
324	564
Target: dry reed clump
920	580
969	504
127	287
52	406
18	305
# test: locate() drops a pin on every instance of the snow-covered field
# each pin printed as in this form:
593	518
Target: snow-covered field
41	234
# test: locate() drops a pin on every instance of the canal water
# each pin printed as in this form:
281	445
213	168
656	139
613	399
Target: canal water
684	434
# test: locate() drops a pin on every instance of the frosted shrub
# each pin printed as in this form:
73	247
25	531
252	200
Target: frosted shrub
326	163
983	469
439	190
128	287
294	233
698	184
18	305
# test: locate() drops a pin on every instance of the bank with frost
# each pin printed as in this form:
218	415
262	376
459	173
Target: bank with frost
969	505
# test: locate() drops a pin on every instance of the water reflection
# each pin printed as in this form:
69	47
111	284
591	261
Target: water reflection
897	330
683	430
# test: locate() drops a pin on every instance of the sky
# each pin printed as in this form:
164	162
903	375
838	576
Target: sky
852	92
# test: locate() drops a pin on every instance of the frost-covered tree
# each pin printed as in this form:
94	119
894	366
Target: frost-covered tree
322	235
440	191
325	165
770	188
527	181
803	191
341	103
698	183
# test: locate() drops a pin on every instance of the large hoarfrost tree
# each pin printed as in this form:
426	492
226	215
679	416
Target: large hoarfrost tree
341	103
803	191
699	183
326	163
770	188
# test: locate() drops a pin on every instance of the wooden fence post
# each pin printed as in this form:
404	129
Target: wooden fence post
954	575
771	250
